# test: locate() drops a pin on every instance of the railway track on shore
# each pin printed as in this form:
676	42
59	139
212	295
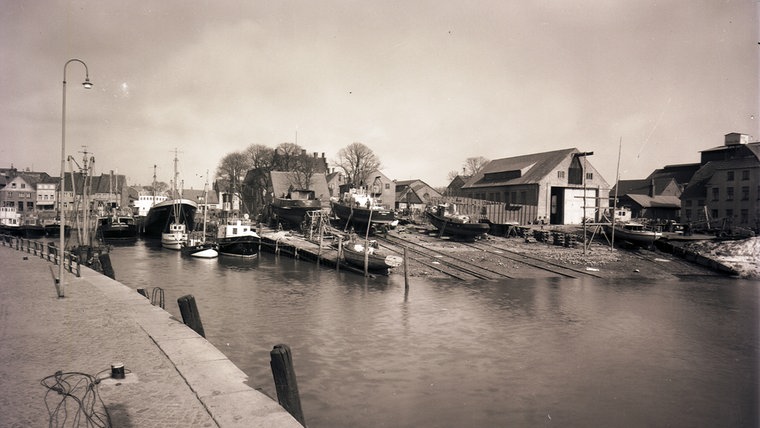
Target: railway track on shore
534	262
441	261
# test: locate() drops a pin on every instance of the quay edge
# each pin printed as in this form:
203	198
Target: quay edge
175	377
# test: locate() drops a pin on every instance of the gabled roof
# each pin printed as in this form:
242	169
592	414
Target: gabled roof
196	195
646	201
680	173
642	187
532	167
409	196
106	183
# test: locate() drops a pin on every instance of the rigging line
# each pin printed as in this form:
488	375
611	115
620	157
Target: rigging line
654	128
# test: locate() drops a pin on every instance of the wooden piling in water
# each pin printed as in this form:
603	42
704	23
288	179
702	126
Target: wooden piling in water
406	274
190	315
285	381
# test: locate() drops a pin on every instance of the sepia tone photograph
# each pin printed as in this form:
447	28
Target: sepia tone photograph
396	214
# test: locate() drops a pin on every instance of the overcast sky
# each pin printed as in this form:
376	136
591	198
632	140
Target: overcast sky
424	84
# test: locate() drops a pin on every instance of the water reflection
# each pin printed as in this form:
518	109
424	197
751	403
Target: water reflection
527	352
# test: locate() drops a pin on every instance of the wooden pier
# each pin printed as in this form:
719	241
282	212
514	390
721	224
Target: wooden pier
322	252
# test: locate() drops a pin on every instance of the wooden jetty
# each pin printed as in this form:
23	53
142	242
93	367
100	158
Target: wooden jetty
298	247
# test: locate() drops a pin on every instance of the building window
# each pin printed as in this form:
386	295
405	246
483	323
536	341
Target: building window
700	202
729	176
744	213
745	174
729	193
589	176
714	214
729	213
688	202
561	174
715	194
523	197
688	214
387	186
745	193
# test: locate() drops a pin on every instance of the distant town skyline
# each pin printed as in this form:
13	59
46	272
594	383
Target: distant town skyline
425	84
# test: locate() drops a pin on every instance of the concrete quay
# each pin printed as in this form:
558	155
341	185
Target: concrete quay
174	377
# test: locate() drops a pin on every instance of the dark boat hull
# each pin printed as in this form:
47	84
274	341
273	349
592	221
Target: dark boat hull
375	263
10	230
54	230
161	216
467	231
294	211
123	229
32	231
239	246
206	250
360	217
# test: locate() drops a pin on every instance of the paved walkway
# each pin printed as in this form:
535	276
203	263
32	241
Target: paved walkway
175	377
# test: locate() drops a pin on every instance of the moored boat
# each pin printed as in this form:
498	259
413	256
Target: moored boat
237	238
455	225
117	228
197	246
377	261
358	209
32	229
635	233
53	228
175	237
293	207
162	215
10	221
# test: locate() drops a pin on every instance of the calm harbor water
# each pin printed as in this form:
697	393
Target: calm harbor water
571	353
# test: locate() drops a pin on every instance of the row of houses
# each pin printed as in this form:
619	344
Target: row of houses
555	187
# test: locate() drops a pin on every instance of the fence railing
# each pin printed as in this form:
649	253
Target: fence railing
48	252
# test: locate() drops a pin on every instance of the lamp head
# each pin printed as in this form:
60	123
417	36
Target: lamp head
87	84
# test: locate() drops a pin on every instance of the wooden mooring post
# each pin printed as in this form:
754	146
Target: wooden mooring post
406	274
285	381
190	315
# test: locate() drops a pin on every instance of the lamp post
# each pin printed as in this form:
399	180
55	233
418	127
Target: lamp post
62	243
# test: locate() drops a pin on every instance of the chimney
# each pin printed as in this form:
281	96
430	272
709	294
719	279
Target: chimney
735	139
315	155
303	152
652	190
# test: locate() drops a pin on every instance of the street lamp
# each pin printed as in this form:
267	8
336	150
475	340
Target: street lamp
62	249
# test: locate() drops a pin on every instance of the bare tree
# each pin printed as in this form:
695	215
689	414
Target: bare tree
452	175
474	165
304	168
358	162
231	171
286	156
260	156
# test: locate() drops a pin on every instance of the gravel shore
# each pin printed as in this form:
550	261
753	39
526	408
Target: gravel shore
599	257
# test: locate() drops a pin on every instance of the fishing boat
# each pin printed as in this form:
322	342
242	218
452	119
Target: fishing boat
377	261
53	228
358	209
171	219
161	215
293	207
455	225
117	228
196	244
237	238
31	228
10	221
635	233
